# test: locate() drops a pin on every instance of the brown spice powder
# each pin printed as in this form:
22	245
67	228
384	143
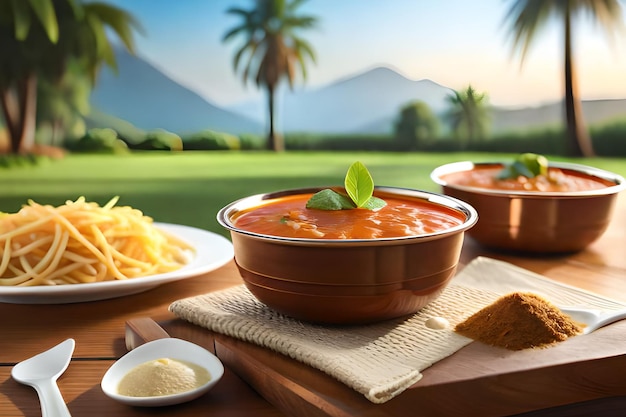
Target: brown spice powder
519	321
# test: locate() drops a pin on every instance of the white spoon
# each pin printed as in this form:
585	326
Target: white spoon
42	371
593	319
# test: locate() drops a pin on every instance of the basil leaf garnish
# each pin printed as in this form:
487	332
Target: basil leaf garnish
329	200
360	188
359	184
374	203
527	165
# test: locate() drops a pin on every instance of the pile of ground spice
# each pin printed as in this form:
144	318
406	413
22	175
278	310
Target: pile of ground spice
519	321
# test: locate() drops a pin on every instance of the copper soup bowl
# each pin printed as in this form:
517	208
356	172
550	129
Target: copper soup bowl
535	222
348	281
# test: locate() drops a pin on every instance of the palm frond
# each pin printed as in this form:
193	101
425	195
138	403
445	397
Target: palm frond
120	21
21	18
527	16
44	10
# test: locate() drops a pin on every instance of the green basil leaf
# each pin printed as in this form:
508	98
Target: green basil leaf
360	188
506	173
329	200
527	165
374	203
520	169
359	184
536	164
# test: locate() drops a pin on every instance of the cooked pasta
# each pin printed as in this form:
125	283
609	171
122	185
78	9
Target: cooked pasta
81	242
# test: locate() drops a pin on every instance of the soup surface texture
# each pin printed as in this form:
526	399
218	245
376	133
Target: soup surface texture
557	180
289	217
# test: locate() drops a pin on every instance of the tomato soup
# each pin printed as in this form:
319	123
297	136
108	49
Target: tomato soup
557	180
289	217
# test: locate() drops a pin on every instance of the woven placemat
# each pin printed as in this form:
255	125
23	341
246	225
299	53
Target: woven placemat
381	360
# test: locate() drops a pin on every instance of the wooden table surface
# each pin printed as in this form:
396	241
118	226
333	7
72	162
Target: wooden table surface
98	328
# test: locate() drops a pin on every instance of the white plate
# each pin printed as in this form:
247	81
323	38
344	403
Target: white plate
211	252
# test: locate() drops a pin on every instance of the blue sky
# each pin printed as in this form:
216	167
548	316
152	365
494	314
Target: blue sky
452	42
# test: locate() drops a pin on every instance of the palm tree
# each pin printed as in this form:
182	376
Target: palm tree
39	38
273	49
526	16
468	114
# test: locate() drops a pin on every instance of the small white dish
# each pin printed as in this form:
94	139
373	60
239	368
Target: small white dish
162	348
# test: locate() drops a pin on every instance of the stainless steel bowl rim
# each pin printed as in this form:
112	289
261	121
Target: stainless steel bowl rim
224	217
454	167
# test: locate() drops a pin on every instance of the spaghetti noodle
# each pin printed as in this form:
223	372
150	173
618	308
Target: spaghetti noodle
81	242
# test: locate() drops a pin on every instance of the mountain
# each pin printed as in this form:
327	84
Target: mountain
353	104
144	96
370	102
365	103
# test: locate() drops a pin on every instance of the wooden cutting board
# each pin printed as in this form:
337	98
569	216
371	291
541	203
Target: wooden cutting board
585	375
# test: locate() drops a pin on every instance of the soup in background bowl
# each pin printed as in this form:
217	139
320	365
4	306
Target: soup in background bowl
535	215
347	266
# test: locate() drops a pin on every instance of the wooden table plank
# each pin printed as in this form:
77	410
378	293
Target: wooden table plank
97	326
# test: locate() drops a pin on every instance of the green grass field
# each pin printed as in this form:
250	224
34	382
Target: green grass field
189	188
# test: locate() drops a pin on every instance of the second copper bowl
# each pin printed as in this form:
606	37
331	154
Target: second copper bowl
532	221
